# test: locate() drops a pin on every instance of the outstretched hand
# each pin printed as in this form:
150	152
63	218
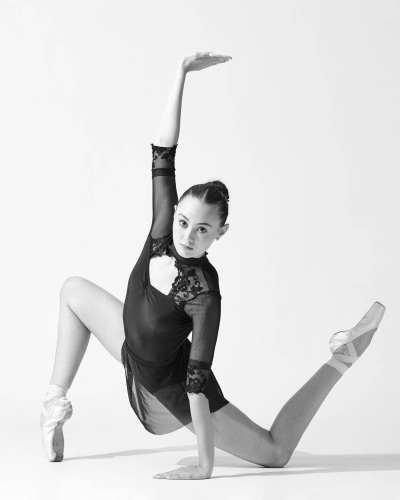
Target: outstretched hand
201	60
191	472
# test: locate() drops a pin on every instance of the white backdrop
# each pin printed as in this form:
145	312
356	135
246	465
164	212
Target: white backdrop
302	126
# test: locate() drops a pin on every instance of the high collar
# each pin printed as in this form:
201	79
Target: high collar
190	261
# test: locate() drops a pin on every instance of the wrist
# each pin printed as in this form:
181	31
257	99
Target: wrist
181	68
206	470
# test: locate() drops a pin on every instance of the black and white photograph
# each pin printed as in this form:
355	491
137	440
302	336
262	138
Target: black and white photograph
201	275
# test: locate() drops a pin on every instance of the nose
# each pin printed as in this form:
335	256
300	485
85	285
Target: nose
188	238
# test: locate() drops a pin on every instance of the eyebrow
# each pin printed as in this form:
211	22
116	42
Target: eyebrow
204	223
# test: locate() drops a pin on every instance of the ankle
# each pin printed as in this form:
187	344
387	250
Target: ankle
340	366
55	391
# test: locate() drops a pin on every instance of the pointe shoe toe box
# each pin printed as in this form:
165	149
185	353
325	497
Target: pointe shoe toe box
52	439
370	321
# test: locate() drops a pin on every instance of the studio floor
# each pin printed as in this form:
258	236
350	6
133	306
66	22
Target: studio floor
116	461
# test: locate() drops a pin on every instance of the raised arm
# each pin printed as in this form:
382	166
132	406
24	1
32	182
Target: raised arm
168	130
165	143
163	165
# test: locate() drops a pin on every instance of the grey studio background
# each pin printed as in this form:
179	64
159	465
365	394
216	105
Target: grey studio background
302	126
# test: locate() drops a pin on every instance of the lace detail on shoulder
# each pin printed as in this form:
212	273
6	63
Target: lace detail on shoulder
188	283
197	380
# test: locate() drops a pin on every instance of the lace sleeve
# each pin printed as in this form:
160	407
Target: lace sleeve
164	189
205	311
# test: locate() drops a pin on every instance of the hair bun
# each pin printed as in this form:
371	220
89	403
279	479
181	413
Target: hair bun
222	189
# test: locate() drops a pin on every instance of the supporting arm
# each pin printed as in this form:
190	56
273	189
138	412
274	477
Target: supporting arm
204	430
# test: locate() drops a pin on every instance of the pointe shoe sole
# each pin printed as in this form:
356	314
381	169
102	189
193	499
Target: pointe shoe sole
52	431
370	321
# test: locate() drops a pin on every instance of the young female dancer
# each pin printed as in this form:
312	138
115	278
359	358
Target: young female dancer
174	290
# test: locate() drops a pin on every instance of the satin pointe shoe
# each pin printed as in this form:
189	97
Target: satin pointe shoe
368	323
57	413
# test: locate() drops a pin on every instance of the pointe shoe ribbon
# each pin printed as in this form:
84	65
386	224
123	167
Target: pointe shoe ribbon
370	321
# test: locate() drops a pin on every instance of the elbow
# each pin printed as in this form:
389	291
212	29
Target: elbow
194	395
164	142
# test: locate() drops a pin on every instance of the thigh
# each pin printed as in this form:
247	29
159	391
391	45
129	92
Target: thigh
236	433
98	310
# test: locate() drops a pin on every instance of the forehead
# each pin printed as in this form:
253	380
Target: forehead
197	210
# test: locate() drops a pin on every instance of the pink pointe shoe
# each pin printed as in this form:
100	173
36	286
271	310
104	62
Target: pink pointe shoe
369	322
52	435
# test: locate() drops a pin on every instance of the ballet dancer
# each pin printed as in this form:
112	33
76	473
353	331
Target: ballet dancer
173	290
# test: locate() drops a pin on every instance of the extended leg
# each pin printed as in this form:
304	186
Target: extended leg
297	413
237	434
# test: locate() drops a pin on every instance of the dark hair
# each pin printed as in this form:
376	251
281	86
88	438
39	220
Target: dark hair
213	193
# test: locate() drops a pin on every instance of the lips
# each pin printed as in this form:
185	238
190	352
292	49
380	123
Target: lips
188	248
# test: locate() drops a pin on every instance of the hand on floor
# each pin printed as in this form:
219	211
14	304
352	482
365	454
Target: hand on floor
192	472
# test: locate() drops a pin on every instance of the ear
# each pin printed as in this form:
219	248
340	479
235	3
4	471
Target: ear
223	230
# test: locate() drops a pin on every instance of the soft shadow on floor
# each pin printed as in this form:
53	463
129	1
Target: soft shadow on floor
129	453
313	463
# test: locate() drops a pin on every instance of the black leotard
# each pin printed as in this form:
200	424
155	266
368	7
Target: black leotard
161	364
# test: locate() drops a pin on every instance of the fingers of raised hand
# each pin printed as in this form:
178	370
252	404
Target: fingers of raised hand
213	58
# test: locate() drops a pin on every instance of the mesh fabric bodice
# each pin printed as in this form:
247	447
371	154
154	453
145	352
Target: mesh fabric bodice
161	364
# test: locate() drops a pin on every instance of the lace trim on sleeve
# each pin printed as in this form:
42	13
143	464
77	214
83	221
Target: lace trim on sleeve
164	194
197	380
163	160
161	246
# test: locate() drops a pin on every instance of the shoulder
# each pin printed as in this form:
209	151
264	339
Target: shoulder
208	292
211	276
205	305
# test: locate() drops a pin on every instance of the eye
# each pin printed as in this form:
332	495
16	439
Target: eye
201	227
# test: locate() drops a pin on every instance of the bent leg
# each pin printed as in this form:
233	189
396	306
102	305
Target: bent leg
85	308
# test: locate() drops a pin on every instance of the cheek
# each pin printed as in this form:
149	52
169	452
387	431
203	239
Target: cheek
208	238
177	228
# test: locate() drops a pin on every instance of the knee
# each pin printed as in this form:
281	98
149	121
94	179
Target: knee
70	287
278	458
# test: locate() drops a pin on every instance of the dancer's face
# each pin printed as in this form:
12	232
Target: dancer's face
197	225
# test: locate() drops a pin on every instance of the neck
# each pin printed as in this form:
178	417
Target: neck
193	261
